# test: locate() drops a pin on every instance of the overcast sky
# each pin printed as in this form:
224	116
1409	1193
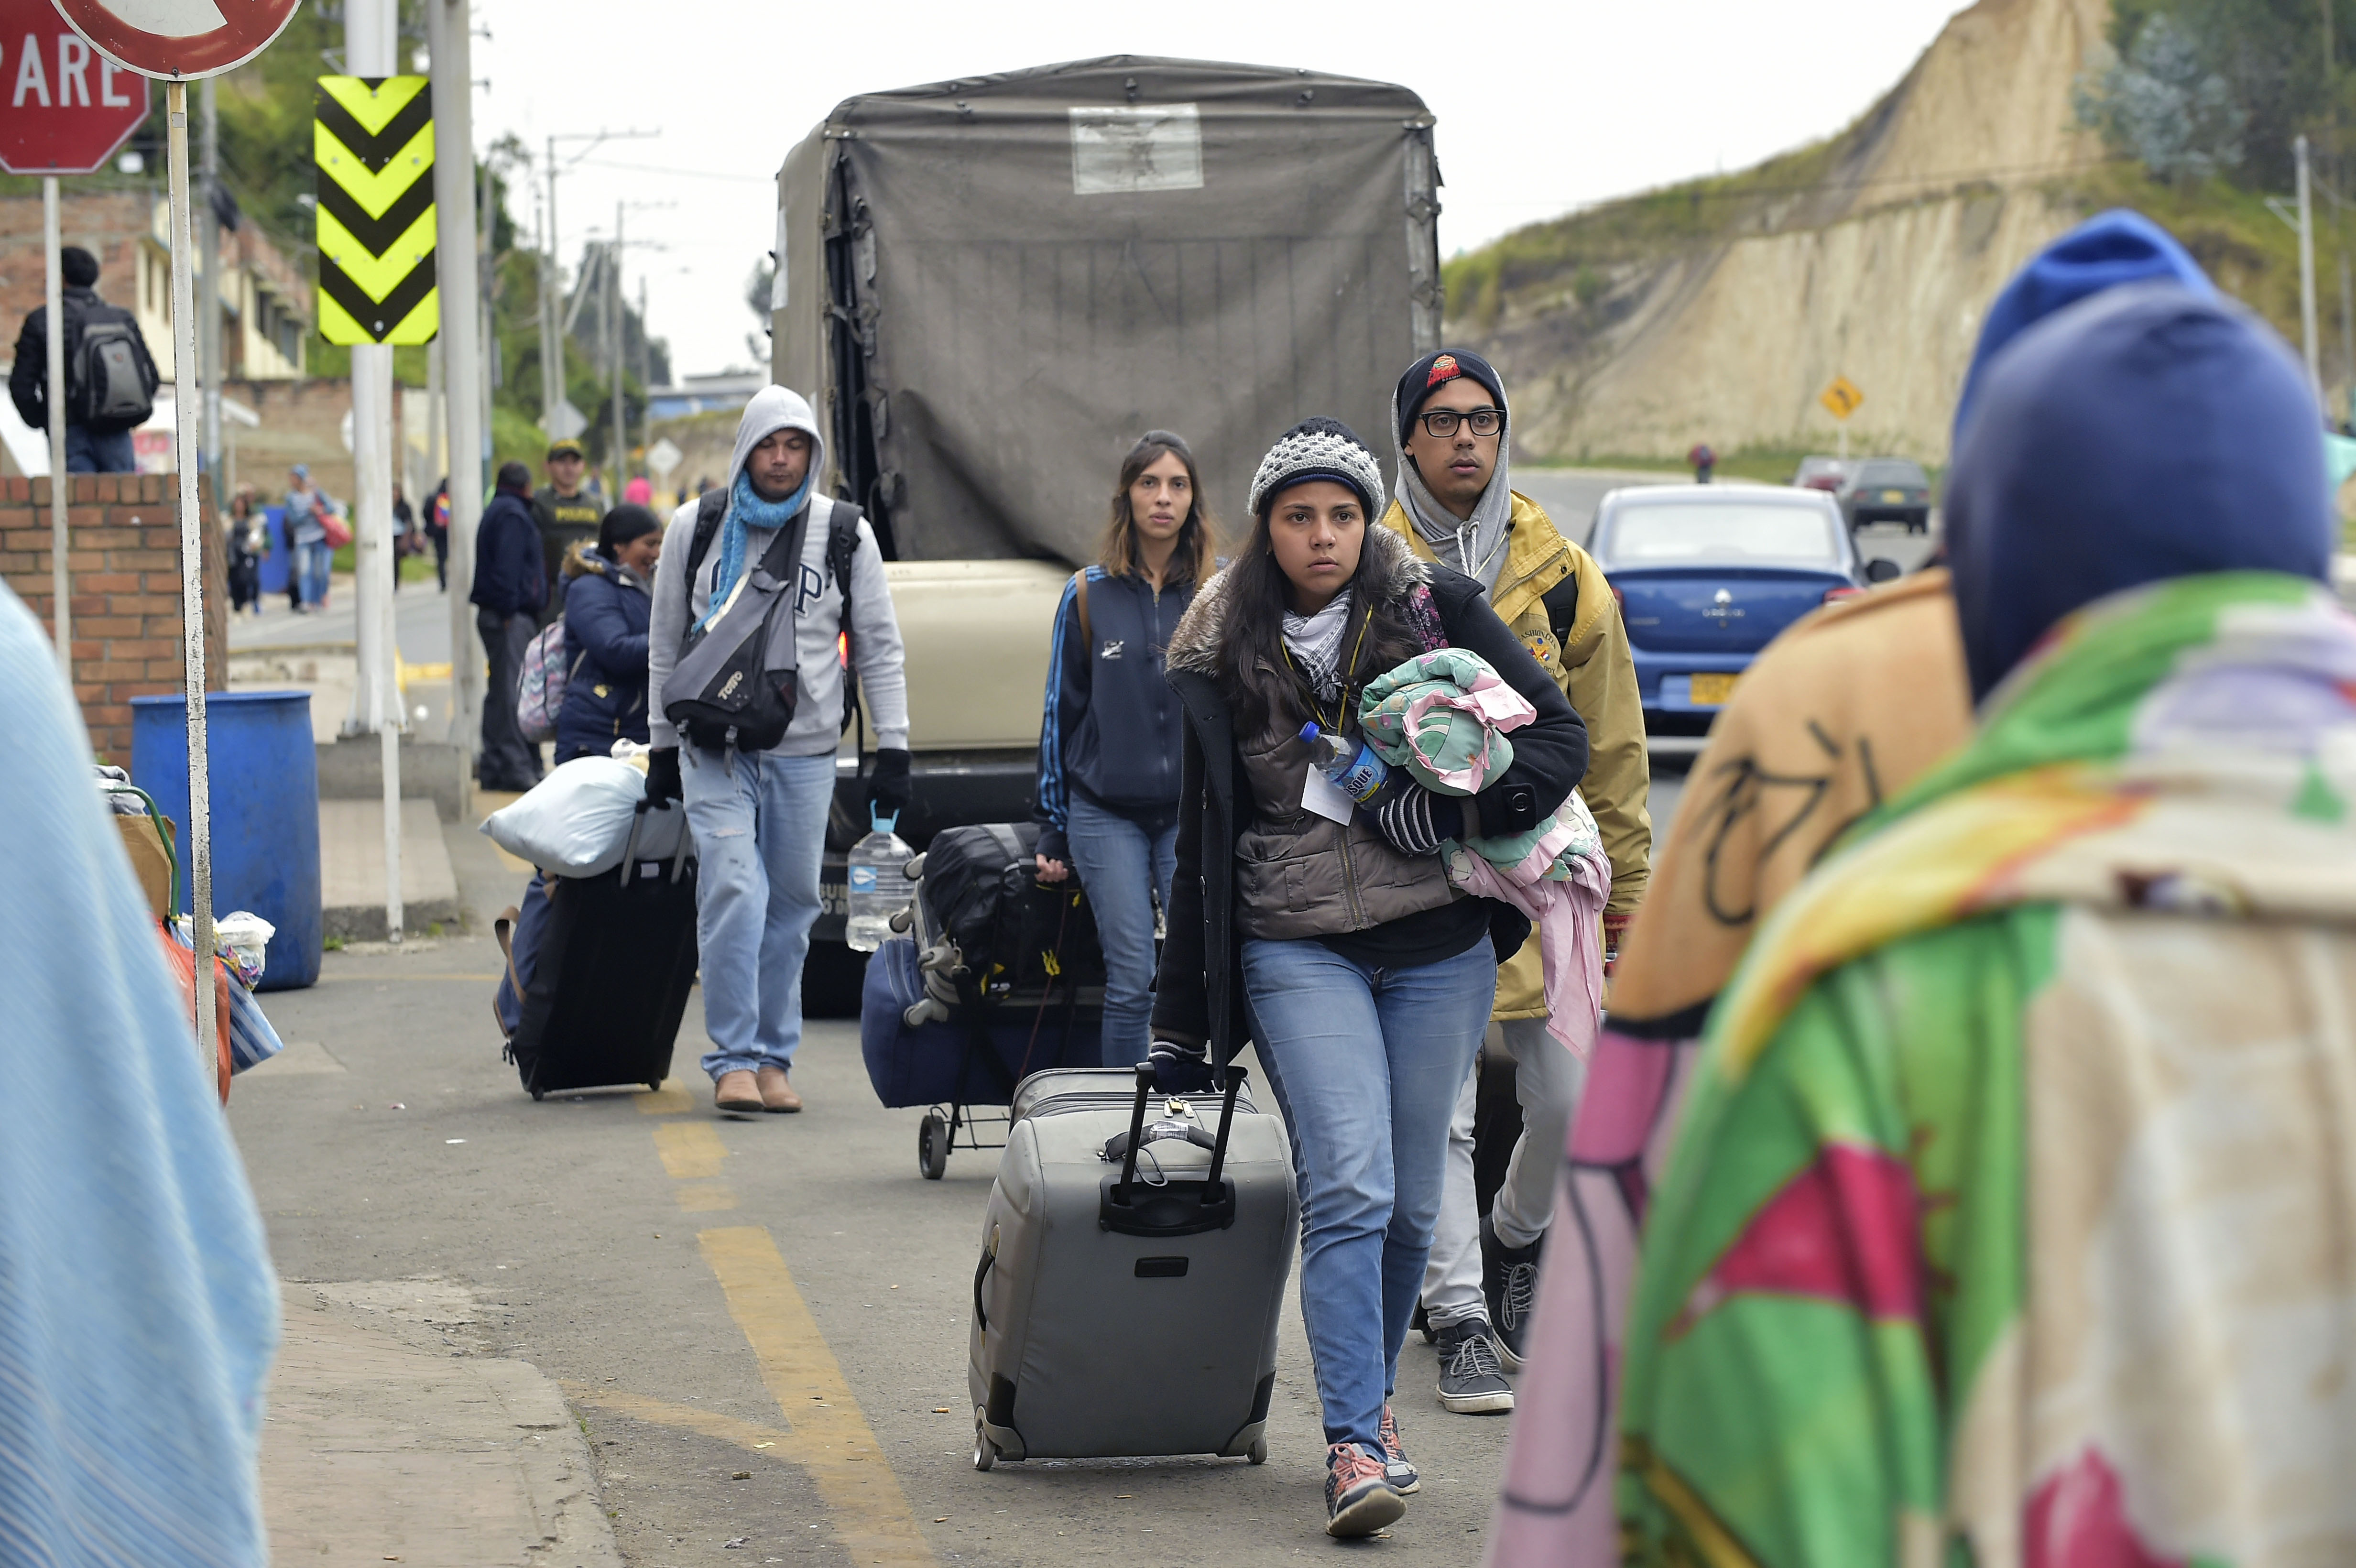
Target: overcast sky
1543	105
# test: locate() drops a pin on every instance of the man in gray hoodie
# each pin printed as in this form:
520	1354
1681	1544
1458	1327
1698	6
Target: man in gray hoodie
760	818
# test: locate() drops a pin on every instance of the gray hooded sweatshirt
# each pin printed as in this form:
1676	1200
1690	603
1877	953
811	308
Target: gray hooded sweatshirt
817	727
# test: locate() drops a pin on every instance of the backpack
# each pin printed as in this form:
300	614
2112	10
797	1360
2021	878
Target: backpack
721	710
539	693
109	383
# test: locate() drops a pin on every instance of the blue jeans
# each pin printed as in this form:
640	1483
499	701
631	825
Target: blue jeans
1124	868
94	451
1370	1060
760	838
311	563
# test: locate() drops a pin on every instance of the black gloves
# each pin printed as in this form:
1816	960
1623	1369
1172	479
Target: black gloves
662	775
1416	820
1181	1069
887	784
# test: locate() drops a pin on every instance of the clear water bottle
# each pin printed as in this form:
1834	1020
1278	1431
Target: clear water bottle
1352	765
880	887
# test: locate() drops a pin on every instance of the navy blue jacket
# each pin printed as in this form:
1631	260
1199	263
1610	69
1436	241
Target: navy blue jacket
1112	728
607	608
509	576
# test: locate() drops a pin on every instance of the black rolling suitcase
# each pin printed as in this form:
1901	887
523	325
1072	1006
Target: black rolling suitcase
613	967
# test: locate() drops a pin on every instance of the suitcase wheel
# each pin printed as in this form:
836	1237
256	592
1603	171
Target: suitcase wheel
539	1094
1258	1453
985	1453
932	1152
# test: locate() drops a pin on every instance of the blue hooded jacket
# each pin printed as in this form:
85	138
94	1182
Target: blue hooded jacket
2109	249
2147	433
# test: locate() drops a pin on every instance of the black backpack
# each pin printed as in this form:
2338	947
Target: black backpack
842	544
110	380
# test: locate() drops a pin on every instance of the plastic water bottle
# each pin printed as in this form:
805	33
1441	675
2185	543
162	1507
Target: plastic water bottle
880	887
1352	765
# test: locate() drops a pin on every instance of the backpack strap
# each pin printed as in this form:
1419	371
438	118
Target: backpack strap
841	546
1081	602
1561	603
708	509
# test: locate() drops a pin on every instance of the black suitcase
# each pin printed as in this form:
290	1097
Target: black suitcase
613	966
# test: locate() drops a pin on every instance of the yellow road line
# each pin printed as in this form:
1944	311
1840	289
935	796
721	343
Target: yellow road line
671	1100
832	1442
691	1151
767	1441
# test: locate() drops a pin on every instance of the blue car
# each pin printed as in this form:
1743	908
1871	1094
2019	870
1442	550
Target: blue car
1707	575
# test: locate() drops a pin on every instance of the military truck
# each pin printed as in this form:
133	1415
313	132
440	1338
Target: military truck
991	287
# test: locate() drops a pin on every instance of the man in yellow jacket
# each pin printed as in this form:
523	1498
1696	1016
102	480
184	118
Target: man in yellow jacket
1455	505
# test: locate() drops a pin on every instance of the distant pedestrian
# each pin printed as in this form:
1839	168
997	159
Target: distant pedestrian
406	540
248	539
566	515
760	818
111	379
607	607
1108	796
638	492
509	589
437	532
1703	460
307	510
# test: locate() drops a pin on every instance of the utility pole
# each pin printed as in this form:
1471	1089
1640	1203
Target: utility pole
208	308
646	368
552	321
2348	336
614	361
2307	269
450	41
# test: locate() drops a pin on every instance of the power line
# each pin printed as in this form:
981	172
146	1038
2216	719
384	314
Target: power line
683	174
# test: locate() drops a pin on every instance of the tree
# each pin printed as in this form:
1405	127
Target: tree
2163	106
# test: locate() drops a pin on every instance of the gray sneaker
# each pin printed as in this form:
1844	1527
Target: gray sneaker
1509	1278
1472	1377
1396	1464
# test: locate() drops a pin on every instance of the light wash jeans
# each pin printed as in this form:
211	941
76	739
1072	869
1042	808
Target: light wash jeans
1125	869
760	837
1370	1062
311	563
1546	1081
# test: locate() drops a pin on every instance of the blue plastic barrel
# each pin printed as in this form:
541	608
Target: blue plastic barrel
265	812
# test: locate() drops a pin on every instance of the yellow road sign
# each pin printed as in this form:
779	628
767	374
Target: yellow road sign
1842	397
373	140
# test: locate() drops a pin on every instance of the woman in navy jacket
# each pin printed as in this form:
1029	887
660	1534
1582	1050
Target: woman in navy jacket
607	605
1109	745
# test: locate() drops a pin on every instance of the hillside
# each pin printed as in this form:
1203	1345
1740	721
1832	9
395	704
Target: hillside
1718	309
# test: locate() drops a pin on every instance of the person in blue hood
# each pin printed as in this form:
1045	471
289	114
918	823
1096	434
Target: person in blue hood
2111	248
2153	432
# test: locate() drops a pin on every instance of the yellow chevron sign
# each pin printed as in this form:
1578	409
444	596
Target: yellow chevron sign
373	140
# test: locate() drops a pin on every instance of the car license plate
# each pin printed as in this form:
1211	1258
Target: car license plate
1892	497
1712	690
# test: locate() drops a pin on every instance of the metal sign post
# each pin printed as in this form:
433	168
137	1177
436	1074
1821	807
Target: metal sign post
119	29
61	577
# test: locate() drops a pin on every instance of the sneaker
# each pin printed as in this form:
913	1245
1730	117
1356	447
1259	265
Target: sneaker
1401	1469
1509	1278
1472	1377
1359	1497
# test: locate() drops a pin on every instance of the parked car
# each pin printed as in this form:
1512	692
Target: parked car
1707	575
1818	472
1888	490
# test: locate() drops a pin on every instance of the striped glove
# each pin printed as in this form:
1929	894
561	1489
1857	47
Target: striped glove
1417	821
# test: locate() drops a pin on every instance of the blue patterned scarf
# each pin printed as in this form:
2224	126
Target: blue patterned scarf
748	510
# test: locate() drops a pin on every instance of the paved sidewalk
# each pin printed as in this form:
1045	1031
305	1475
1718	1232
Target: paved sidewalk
351	868
392	1436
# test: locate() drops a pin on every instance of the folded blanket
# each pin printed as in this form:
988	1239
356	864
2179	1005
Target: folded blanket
1444	714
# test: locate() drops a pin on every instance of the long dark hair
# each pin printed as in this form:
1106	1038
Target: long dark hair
1258	682
1191	556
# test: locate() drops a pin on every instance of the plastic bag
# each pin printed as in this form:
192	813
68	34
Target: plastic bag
575	821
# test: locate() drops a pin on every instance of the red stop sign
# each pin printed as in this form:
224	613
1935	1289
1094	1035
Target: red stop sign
64	107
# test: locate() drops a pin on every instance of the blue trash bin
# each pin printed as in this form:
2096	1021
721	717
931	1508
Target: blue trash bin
265	812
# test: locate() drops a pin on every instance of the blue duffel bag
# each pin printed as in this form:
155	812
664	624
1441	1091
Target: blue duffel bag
955	1061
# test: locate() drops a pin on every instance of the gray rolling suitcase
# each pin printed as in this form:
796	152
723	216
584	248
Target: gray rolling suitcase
1132	1266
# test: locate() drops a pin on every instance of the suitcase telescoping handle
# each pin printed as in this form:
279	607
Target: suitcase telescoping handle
1180	1207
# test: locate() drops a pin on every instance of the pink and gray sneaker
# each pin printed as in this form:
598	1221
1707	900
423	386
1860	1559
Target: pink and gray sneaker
1396	1464
1359	1497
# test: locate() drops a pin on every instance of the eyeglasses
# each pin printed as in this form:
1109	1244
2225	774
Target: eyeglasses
1440	424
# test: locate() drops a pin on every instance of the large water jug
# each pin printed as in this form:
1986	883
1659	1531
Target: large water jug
880	887
1353	765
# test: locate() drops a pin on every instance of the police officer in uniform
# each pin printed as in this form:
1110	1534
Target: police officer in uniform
567	516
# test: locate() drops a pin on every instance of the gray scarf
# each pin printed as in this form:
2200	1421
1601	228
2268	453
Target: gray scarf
1474	546
1315	643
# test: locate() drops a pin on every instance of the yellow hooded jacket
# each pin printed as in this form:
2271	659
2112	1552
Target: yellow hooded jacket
1548	582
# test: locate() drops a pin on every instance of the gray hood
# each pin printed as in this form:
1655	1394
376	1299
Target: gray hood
1474	546
776	409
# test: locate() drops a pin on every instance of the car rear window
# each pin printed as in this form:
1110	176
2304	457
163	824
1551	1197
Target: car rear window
1662	532
1894	474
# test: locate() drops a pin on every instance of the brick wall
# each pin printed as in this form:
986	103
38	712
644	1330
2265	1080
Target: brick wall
123	550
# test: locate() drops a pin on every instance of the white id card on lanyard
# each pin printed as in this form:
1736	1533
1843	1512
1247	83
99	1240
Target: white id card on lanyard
1323	796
